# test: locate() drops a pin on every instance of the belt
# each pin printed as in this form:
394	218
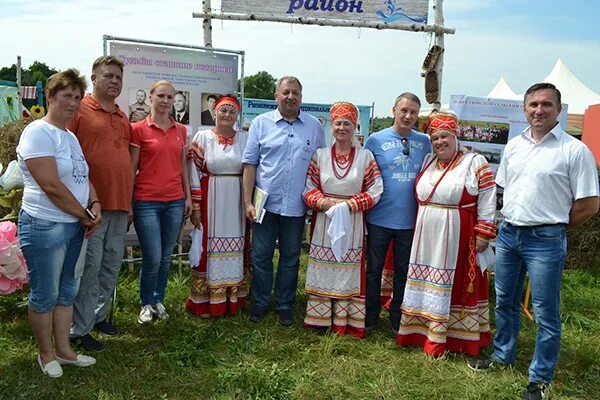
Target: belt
536	226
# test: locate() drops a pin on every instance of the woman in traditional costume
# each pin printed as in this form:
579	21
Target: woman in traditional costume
343	181
445	306
219	282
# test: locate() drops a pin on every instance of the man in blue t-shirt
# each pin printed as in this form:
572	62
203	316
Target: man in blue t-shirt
399	152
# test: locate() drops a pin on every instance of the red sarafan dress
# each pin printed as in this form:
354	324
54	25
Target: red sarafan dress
445	305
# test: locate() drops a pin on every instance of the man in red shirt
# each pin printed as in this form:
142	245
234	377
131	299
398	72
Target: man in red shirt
104	133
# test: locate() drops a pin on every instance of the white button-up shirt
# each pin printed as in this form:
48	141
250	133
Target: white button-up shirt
541	181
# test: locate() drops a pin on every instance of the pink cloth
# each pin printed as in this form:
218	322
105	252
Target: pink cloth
13	270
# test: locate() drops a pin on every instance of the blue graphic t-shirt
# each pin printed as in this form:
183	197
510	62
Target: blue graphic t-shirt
397	208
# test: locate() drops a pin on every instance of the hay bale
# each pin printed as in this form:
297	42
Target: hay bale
9	138
583	244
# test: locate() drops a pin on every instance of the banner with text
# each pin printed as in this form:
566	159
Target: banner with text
254	107
390	12
199	76
485	125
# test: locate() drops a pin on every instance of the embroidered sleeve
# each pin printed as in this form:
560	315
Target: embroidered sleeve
195	164
486	199
313	196
372	187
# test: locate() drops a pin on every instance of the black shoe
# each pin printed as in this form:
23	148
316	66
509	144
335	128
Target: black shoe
88	343
395	327
258	313
536	391
480	364
371	325
106	328
286	316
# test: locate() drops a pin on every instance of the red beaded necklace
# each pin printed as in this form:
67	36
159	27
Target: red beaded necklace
343	162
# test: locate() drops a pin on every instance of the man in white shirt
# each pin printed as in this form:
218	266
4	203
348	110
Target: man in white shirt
550	183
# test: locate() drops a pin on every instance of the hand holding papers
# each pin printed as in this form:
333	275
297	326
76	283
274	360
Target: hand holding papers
259	199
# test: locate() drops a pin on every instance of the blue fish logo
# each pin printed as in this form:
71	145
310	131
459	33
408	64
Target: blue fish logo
396	14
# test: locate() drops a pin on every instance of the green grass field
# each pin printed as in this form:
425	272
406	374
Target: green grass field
191	358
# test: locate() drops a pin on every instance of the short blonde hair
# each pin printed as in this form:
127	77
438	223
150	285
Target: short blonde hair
161	83
68	78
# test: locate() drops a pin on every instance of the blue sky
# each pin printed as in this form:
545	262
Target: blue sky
520	40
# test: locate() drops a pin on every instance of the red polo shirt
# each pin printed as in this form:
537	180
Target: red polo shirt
159	176
104	137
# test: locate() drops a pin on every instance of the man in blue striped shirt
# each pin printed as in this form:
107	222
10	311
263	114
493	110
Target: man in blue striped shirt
280	146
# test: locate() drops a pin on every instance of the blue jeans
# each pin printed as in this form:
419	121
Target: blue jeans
157	224
288	230
51	250
378	241
539	251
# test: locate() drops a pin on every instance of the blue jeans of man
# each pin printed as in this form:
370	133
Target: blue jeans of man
288	231
378	242
157	224
539	251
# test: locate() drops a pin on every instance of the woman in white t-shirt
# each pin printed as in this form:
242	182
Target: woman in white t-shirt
59	208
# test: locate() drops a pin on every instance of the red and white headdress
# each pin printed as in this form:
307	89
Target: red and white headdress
344	110
442	121
228	101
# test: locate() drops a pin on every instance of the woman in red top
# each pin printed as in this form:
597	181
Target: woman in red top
161	195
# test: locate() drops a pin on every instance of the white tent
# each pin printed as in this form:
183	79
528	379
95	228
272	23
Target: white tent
503	91
574	93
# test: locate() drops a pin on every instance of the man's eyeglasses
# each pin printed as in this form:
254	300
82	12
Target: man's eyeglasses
405	148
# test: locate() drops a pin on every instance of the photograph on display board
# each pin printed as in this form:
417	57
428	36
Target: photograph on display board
181	107
207	117
483	131
139	105
491	152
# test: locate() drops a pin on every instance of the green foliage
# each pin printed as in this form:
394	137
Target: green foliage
38	71
188	357
380	123
259	86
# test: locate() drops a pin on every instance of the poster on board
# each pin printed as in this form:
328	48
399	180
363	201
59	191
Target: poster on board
485	125
255	107
198	76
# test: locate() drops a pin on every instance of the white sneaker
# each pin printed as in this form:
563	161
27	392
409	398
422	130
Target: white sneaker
146	314
161	311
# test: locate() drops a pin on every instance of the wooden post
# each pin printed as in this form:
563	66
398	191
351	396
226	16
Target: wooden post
439	40
19	90
207	24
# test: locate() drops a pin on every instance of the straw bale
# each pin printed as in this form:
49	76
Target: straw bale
584	244
9	138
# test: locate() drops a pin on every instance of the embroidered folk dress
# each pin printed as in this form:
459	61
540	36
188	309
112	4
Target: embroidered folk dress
445	305
336	290
218	283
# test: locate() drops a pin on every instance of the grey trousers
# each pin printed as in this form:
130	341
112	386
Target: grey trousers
102	267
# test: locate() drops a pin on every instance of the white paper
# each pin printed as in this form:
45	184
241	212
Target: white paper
339	230
259	199
196	247
486	259
80	264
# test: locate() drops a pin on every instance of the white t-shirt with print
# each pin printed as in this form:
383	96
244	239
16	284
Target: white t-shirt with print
41	139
